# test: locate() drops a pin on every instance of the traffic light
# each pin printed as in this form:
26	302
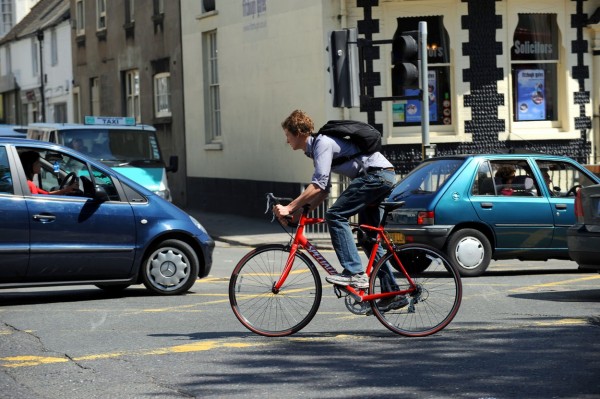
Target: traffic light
343	68
405	58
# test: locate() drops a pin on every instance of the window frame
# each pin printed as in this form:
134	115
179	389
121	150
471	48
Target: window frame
212	103
132	94
101	15
165	97
79	18
95	96
535	64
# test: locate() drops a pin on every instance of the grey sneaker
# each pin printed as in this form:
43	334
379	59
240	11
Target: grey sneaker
358	280
391	303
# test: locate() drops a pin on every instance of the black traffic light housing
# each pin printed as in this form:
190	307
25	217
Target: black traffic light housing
405	58
344	68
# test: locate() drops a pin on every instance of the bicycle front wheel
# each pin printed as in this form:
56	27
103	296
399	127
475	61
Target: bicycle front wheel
433	303
266	312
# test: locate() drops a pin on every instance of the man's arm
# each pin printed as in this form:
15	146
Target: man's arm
313	195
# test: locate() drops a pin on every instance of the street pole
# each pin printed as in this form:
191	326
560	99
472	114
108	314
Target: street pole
40	37
424	84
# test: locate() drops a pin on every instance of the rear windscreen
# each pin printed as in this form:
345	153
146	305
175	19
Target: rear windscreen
426	178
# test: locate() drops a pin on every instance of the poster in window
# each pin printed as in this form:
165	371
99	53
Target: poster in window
531	97
410	111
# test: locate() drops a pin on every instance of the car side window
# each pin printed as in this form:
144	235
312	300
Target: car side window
6	181
562	178
505	178
104	181
484	183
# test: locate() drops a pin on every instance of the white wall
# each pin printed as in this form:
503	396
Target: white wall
58	87
285	70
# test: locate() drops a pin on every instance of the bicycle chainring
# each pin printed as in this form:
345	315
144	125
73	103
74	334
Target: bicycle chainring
356	307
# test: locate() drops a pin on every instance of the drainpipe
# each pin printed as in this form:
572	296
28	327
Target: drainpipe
343	25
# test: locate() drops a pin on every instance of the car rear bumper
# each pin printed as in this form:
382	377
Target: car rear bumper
584	246
436	236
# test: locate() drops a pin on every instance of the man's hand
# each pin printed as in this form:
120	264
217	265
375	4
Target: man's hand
281	211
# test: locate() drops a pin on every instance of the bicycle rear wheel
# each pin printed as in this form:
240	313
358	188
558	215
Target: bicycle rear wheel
268	313
433	304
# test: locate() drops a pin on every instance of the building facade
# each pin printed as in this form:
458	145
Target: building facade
127	61
504	75
36	67
12	12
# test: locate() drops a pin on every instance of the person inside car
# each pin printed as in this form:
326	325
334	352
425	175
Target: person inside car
506	174
31	165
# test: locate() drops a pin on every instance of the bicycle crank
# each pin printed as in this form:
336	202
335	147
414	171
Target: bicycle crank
359	308
353	303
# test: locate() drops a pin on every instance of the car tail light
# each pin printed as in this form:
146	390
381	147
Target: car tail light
425	218
578	207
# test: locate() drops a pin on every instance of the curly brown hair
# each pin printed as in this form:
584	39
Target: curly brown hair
505	173
298	123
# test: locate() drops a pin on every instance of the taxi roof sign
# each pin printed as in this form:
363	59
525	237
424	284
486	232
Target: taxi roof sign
110	120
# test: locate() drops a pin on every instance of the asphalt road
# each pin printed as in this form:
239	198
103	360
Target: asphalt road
524	330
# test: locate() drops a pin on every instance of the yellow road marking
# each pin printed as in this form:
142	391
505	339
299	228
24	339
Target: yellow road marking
30	361
556	283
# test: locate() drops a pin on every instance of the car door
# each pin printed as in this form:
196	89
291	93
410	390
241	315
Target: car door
521	220
14	227
77	237
562	178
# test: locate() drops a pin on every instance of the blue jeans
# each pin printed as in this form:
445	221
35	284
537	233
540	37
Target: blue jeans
363	191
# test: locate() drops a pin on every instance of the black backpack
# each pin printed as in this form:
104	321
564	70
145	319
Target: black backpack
364	136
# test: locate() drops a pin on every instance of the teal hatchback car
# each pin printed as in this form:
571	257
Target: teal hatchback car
497	206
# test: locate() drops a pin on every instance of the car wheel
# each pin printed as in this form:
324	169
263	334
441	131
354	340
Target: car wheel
171	268
470	251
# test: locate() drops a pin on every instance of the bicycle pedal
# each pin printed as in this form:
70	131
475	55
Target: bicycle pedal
339	292
344	292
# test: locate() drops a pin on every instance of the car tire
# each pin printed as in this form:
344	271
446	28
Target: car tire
470	251
171	268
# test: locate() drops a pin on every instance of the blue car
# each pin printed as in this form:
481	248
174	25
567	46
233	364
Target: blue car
481	207
109	231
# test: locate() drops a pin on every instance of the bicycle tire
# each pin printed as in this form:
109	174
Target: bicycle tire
267	313
436	301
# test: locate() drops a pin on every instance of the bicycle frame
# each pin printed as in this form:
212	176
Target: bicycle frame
300	241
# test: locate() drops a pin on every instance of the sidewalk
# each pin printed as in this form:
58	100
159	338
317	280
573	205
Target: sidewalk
245	231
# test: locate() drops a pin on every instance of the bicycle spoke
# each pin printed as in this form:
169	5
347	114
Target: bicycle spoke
260	309
437	297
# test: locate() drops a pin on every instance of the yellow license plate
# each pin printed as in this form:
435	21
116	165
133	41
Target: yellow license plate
398	238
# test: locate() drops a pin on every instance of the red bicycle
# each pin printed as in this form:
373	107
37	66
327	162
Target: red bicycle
275	290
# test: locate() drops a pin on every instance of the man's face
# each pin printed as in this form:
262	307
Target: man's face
296	142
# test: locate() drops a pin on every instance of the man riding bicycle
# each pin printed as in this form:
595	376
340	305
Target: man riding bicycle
372	179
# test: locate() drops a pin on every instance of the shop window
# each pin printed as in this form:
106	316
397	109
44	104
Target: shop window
534	64
408	112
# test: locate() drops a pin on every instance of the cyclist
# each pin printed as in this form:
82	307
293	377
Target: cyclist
372	179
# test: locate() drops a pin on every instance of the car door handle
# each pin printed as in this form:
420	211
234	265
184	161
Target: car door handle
560	206
44	218
487	205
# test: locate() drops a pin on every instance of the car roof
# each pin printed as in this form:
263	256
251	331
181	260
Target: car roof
79	126
502	156
12	131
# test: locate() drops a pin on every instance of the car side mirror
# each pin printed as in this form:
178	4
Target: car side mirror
173	164
100	194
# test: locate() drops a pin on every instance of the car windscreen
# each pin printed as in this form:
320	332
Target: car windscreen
427	178
115	146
